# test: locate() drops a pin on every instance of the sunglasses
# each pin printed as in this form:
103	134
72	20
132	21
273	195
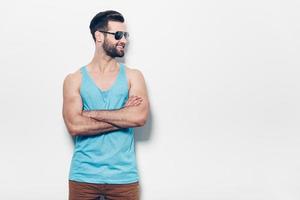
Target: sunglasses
118	35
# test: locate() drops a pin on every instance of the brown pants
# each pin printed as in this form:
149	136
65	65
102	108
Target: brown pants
91	191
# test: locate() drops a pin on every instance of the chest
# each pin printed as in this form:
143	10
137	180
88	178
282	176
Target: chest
104	81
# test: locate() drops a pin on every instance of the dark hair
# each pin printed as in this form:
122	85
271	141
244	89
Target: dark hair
100	21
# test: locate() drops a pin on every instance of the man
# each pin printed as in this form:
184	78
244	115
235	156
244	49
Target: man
102	102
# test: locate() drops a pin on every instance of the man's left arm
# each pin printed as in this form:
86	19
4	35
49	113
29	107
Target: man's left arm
129	116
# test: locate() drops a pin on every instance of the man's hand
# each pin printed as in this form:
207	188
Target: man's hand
133	101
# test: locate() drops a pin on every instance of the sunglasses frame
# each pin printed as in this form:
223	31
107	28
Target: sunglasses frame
124	34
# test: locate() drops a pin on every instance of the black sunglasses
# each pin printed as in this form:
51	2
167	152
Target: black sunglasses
118	34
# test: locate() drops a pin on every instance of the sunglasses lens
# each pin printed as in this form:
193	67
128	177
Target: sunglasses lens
118	35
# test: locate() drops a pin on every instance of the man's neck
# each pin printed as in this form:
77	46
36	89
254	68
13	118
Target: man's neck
103	63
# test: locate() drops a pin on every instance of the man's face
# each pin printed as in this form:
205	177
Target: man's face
111	46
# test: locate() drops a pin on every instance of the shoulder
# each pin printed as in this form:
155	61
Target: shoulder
133	72
73	79
135	78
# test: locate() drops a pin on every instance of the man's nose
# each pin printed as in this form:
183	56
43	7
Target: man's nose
123	39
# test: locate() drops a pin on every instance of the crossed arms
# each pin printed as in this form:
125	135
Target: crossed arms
79	122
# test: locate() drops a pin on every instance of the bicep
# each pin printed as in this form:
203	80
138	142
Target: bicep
72	103
138	88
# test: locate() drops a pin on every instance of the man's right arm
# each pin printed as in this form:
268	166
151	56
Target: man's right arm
76	123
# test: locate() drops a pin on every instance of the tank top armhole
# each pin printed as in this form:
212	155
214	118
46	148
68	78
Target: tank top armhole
123	67
83	77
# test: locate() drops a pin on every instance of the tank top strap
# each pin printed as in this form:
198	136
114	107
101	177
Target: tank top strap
84	73
83	70
122	71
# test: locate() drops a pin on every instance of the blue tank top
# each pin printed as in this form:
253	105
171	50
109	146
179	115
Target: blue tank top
105	158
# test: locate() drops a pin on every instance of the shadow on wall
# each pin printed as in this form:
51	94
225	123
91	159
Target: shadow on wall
143	134
71	140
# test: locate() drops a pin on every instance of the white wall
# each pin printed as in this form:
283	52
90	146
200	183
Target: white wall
223	80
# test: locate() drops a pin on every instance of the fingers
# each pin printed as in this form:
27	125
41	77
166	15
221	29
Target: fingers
129	101
134	101
137	102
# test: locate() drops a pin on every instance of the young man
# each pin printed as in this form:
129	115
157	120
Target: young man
102	102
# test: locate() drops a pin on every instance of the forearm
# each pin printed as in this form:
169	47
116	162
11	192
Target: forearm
85	126
126	117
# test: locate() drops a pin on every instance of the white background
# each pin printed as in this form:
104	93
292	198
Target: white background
223	81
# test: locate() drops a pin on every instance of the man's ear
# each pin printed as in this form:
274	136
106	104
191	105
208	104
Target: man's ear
99	36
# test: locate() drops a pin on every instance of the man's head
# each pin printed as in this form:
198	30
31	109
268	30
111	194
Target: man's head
109	31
